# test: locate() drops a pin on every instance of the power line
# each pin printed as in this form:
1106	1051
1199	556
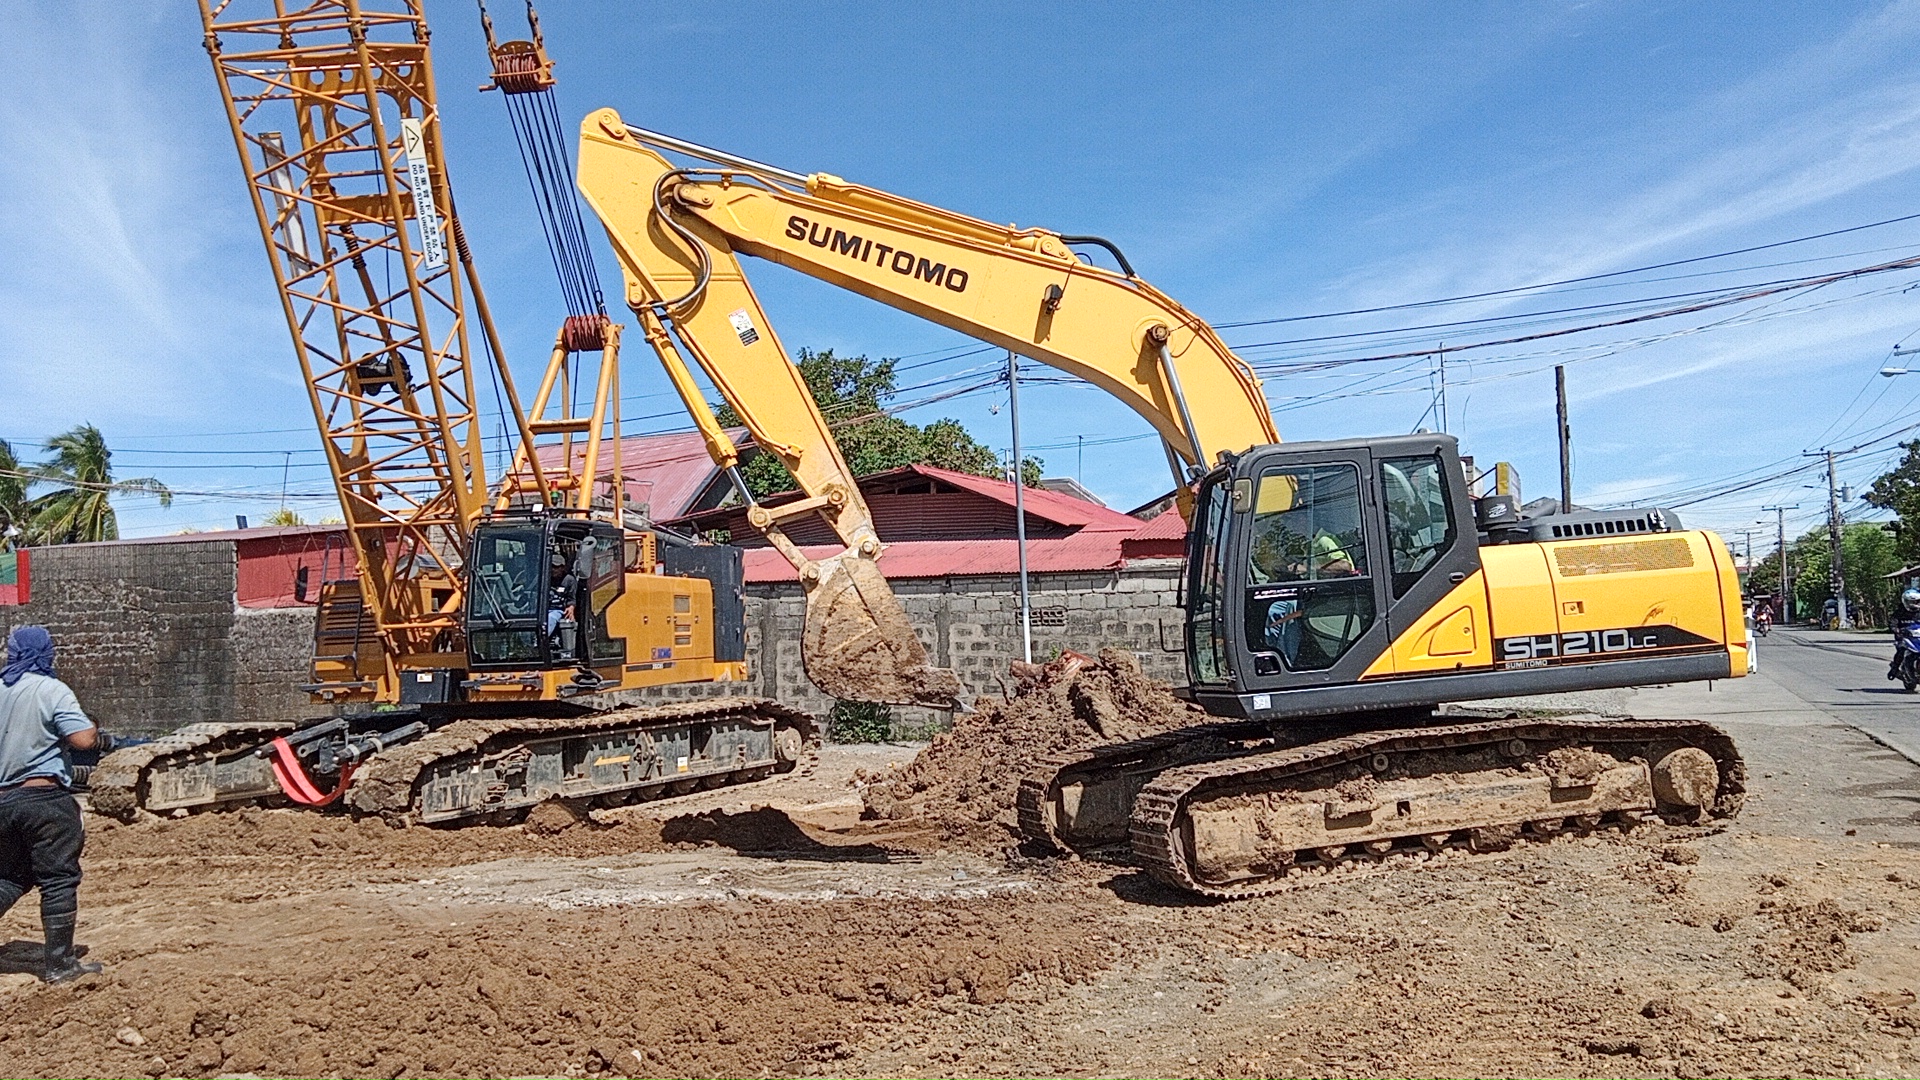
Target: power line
1566	281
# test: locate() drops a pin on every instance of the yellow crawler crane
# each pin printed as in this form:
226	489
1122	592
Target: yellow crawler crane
465	641
1337	592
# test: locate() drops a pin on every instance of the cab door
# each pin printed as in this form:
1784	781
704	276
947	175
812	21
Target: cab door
1313	593
1437	597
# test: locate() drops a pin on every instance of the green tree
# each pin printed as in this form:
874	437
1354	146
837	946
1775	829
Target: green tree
14	479
1871	554
284	516
78	509
851	392
1898	490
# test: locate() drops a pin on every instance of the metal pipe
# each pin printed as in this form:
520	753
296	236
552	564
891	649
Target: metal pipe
1019	506
1180	402
707	153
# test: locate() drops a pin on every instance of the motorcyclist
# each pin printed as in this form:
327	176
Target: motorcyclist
1905	616
1762	618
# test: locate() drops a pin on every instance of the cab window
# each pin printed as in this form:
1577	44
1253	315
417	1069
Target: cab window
1420	526
1208	600
1306	525
1310	596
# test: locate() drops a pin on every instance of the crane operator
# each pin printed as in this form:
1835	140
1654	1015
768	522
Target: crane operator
40	831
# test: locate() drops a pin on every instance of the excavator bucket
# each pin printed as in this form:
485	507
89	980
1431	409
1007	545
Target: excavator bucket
858	644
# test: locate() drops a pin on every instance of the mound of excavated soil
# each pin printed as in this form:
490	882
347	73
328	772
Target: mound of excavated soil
964	783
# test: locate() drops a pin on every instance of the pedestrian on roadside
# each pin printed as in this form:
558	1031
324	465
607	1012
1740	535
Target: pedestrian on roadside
40	831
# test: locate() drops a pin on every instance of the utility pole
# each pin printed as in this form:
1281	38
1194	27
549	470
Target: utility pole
1786	576
1442	399
1566	439
1019	506
1836	565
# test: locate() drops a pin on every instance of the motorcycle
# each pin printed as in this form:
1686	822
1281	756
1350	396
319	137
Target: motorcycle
1906	656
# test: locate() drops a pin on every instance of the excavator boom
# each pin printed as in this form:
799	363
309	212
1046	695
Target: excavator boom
679	234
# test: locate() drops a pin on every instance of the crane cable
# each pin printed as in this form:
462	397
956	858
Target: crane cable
523	75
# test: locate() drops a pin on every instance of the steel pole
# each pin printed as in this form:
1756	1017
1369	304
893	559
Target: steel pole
1020	506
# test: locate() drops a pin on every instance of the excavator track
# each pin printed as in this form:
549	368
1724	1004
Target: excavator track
499	768
1258	823
196	767
1082	800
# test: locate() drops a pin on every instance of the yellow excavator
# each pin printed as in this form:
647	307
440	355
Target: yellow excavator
467	635
1336	593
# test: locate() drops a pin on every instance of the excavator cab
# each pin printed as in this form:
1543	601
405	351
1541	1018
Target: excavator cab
1308	561
540	589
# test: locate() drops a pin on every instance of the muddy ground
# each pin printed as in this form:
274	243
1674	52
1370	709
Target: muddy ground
708	937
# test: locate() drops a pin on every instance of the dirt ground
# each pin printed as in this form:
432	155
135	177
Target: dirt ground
711	937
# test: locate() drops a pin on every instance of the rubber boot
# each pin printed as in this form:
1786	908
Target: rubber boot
62	965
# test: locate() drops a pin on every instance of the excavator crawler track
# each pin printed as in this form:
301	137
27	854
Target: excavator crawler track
1256	823
1082	800
498	768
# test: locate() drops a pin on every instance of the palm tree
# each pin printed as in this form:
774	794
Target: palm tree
13	494
77	511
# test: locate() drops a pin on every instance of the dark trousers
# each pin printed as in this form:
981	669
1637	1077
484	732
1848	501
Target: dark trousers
40	840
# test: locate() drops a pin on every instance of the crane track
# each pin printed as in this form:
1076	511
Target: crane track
1161	824
390	783
211	765
116	785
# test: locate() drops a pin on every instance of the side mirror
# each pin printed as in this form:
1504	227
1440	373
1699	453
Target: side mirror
300	578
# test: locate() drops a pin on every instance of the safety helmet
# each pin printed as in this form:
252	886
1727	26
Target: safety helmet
1911	600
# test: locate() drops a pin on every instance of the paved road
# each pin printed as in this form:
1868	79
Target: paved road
1830	744
1844	675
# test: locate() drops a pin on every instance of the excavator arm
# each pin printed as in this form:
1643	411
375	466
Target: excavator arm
679	233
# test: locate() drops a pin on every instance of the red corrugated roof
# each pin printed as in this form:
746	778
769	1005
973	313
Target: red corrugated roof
1082	552
1163	537
1167	526
666	472
1040	502
978	540
264	532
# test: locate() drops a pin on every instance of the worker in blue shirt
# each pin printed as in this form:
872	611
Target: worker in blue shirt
40	831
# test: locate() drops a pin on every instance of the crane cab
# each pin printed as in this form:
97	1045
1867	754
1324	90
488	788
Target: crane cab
1352	576
539	593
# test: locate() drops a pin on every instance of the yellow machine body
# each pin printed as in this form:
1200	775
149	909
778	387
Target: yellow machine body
1575	602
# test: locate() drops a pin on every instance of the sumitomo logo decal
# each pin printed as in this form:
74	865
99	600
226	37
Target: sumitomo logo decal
860	249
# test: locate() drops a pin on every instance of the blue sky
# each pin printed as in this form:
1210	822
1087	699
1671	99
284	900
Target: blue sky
1257	162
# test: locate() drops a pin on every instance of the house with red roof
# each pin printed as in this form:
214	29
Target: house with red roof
938	523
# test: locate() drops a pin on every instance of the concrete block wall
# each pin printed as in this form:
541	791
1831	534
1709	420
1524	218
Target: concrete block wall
972	625
141	631
150	638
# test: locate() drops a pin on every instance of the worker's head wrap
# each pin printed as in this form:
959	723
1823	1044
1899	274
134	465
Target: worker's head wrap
29	648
